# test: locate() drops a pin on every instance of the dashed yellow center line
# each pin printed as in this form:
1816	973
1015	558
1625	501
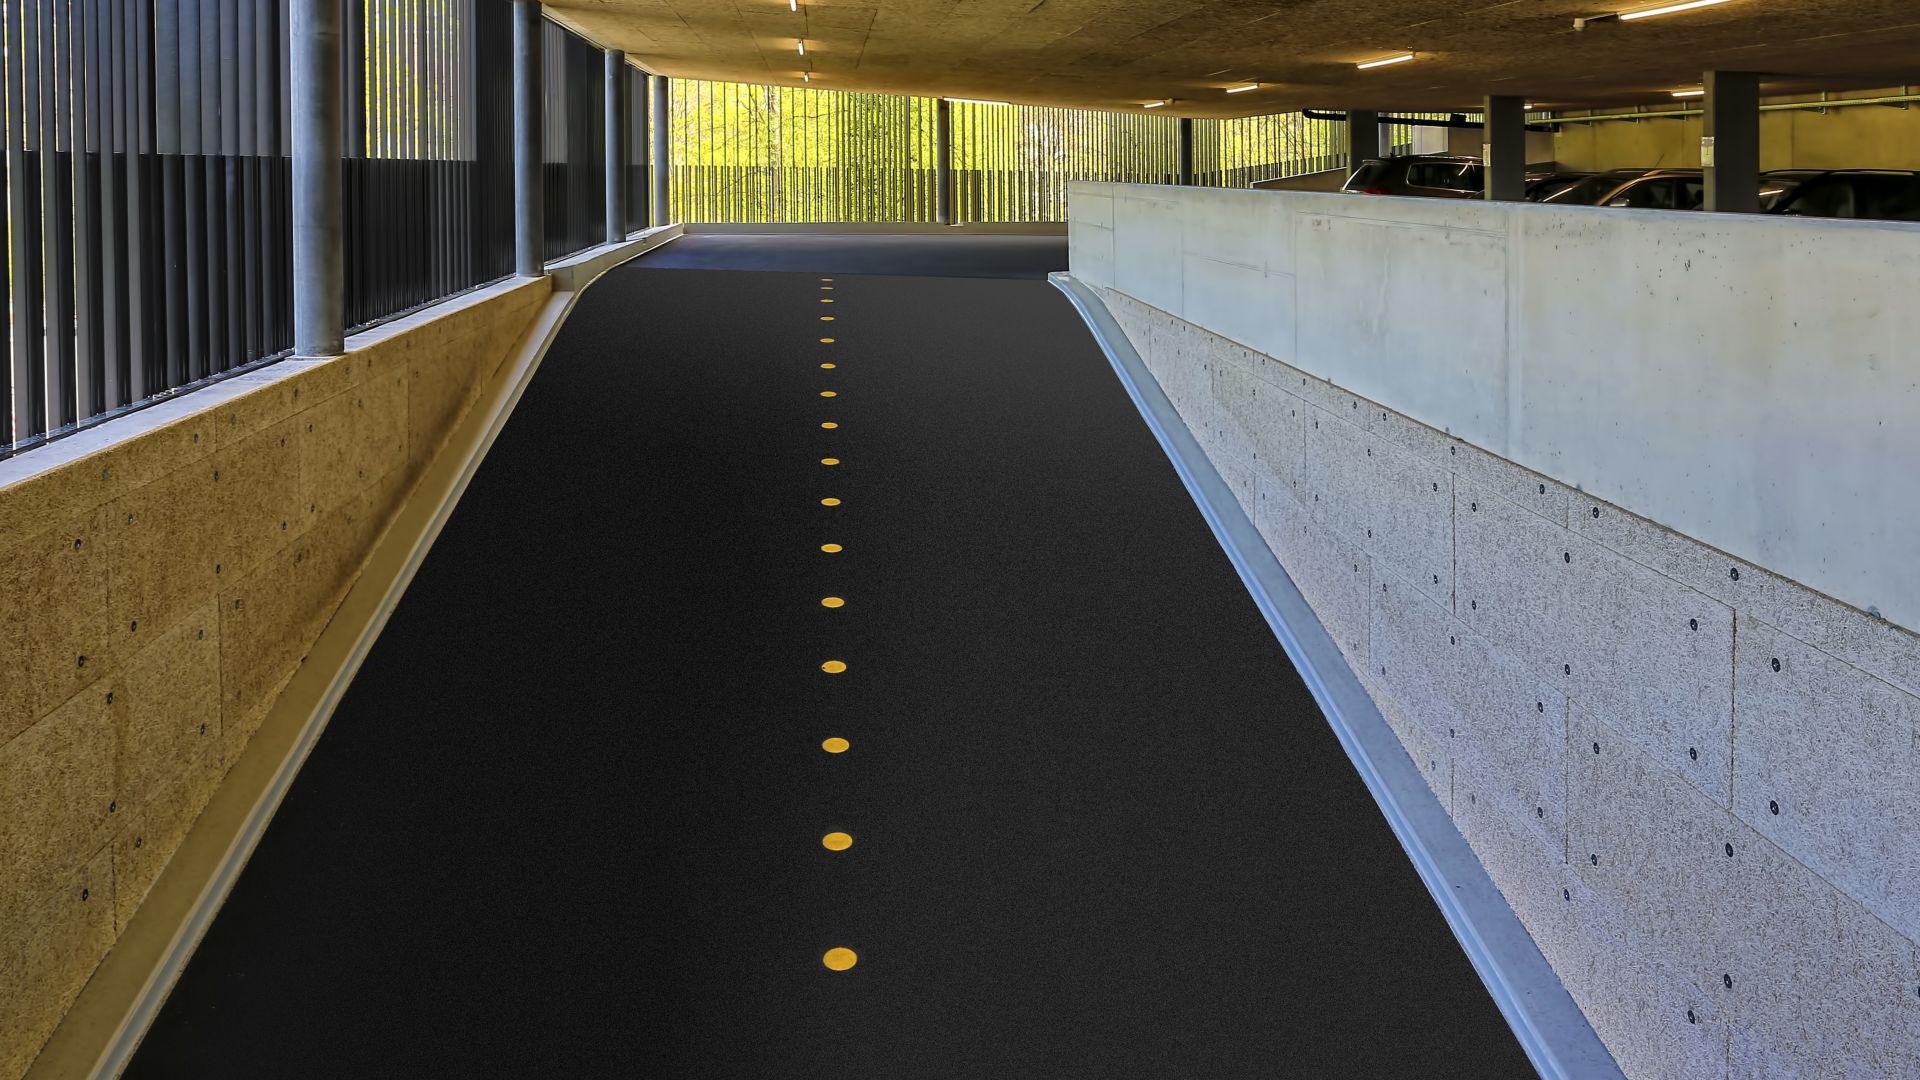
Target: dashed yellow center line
836	841
832	602
839	959
830	549
826	341
826	318
829	461
826	299
829	502
834	667
829	425
836	745
829	393
827	367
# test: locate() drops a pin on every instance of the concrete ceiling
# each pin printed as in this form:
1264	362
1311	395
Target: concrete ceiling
1118	54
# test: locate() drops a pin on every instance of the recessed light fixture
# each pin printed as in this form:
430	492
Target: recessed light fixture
977	101
803	46
1243	89
806	76
1385	60
793	5
1702	92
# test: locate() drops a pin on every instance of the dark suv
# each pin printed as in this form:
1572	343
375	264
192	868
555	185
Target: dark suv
1873	194
1432	176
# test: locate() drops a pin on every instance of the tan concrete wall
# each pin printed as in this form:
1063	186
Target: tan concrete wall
1697	783
162	576
1864	136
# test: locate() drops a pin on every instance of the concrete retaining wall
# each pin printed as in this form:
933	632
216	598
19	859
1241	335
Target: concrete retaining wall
162	576
1696	780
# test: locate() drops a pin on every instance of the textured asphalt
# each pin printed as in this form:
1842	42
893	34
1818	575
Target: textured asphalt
568	819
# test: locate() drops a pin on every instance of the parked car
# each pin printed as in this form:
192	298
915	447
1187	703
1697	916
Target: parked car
1780	183
1591	190
1433	176
1543	186
1871	194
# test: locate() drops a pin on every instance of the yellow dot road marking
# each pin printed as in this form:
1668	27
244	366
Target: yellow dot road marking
827	288
826	341
829	502
839	959
834	667
832	601
826	299
829	425
828	393
836	841
828	367
829	461
830	549
826	318
836	745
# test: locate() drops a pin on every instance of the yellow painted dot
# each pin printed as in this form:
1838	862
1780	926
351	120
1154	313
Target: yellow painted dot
836	841
829	502
826	318
826	341
832	601
829	461
836	745
826	299
830	548
828	367
834	667
829	425
828	393
826	279
827	288
839	959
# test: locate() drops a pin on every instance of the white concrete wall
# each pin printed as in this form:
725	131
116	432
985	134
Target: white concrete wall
1751	382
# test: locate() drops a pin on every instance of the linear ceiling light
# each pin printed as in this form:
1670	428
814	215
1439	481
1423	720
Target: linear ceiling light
1243	89
1385	60
1156	104
806	76
1667	9
793	5
977	101
1702	92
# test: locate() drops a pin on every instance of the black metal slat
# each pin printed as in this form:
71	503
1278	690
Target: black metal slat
56	185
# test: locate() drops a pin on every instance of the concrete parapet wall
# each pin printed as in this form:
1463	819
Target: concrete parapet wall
162	576
1697	782
1746	381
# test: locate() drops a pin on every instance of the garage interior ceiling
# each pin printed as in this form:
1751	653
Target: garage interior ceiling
1119	54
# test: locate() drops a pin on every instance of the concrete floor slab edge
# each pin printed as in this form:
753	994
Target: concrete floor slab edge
1550	1027
887	228
104	1027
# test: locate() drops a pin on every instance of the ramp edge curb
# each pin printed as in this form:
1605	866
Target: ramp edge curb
1550	1027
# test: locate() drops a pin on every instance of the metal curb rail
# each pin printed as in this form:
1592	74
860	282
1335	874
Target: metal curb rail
1548	1024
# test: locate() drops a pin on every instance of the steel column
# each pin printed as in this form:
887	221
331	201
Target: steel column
1730	141
1504	146
1186	151
529	195
662	151
943	162
616	146
319	262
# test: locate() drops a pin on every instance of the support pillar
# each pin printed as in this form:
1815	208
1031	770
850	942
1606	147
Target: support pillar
616	140
943	162
1186	151
529	145
1503	142
1730	141
316	108
642	148
662	152
1363	137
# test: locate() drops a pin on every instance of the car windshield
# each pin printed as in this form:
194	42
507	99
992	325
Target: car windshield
1369	174
1589	191
1774	190
1450	175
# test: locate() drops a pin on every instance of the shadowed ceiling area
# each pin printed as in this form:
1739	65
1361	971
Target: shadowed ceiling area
1119	54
